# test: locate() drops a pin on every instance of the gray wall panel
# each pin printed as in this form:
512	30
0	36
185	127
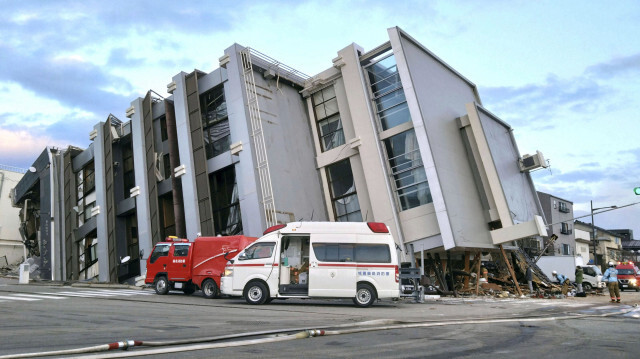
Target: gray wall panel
441	95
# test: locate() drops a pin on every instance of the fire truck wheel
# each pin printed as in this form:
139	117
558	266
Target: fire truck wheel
365	296
162	285
256	293
209	289
189	288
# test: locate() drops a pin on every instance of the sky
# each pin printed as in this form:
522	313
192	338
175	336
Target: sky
564	74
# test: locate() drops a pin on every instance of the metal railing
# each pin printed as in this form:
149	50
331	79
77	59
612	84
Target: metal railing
13	169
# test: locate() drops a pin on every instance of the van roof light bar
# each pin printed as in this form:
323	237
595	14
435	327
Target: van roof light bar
378	227
274	228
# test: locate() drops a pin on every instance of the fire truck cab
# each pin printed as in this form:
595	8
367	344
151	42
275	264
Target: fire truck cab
188	266
628	276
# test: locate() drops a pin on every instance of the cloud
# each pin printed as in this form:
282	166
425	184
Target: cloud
619	66
70	81
542	103
19	148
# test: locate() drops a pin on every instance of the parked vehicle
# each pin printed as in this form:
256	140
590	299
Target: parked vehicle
316	259
628	276
188	266
566	265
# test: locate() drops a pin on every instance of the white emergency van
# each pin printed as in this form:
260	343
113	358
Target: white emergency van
316	259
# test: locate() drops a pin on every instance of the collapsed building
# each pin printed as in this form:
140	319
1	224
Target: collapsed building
392	135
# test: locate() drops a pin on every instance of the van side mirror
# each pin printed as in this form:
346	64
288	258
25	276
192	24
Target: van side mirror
242	257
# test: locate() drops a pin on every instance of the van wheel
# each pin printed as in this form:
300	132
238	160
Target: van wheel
365	296
188	288
586	286
256	293
161	285
209	289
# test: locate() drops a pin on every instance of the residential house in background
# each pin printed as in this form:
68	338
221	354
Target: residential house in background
583	244
608	245
559	215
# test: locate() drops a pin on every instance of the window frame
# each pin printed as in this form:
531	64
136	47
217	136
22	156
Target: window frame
334	199
209	125
325	119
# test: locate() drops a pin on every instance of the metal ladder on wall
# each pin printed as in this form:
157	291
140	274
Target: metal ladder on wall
258	139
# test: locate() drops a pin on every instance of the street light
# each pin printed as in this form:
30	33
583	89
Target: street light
593	231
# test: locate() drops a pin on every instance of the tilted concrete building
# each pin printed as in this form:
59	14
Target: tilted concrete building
392	135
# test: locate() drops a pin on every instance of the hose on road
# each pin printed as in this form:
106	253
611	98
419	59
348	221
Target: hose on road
279	336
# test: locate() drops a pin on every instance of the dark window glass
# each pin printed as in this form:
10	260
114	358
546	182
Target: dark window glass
161	250
225	202
626	271
373	253
167	166
343	192
167	218
163	128
89	178
259	250
128	171
131	224
333	252
215	123
407	169
181	250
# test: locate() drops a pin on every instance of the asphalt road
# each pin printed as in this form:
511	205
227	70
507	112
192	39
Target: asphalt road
45	317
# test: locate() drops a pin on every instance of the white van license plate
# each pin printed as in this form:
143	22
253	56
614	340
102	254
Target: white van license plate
624	286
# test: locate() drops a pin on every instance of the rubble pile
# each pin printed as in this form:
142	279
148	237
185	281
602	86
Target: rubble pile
487	274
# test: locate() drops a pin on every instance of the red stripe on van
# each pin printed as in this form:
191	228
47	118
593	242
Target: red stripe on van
356	265
250	265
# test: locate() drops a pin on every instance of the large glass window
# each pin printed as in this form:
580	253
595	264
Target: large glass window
215	122
343	192
388	95
407	169
85	193
325	106
225	202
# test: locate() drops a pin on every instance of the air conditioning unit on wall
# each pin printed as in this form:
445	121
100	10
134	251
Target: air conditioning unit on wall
531	162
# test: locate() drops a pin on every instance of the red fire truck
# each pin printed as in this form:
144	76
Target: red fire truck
188	266
628	276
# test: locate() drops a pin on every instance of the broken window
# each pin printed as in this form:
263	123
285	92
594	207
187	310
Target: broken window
215	122
343	192
225	202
